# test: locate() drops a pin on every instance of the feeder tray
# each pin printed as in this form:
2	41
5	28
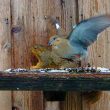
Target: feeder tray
54	84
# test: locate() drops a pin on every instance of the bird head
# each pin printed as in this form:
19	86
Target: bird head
56	41
52	40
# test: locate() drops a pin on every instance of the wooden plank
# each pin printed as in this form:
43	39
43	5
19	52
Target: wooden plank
27	100
54	82
52	105
72	102
98	52
5	49
25	16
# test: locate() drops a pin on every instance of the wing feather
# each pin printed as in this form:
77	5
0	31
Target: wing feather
86	31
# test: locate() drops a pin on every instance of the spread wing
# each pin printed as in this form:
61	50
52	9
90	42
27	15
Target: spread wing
85	33
59	30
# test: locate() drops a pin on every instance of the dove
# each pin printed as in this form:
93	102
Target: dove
75	46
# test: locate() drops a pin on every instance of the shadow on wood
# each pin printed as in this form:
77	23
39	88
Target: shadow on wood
54	96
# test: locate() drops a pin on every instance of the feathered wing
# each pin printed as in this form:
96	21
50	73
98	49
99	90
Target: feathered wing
86	31
59	30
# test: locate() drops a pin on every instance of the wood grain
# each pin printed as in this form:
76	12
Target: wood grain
99	51
54	105
25	14
5	49
73	101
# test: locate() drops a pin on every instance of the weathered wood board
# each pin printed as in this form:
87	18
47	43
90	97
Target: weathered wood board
55	81
5	50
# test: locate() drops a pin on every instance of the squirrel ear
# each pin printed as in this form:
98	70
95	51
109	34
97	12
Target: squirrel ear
54	27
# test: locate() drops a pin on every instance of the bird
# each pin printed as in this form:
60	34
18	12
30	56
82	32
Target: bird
75	45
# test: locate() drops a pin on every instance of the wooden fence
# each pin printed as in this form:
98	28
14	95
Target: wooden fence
22	25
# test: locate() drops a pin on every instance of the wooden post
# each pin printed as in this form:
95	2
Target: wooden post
5	50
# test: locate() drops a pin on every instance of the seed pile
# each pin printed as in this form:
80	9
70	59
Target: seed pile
61	70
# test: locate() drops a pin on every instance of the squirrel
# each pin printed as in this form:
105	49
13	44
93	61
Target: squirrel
46	58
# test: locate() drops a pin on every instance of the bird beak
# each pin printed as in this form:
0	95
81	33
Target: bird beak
49	43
